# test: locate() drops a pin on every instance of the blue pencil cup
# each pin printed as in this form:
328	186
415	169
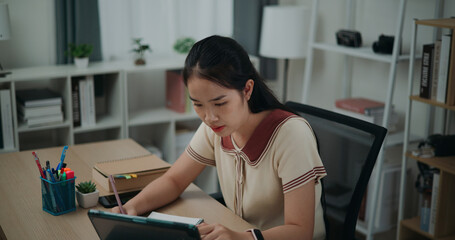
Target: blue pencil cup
58	197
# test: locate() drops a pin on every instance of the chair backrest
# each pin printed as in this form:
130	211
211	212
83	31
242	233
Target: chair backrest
348	148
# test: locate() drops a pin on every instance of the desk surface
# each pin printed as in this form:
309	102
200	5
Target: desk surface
21	214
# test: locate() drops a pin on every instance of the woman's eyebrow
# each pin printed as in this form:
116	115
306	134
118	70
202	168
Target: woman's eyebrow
211	100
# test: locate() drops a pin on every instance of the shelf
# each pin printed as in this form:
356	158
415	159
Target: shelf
445	163
442	23
102	123
363	52
414	225
24	128
432	102
159	115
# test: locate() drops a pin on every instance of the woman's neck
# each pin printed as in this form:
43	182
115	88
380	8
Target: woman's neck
243	134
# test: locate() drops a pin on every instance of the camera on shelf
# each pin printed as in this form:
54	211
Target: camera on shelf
384	44
349	38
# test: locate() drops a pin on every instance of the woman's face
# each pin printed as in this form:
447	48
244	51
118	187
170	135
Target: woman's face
222	109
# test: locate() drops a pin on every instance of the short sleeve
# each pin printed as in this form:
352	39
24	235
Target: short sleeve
201	145
297	157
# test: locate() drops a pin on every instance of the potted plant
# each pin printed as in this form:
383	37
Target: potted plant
184	45
87	194
140	50
80	53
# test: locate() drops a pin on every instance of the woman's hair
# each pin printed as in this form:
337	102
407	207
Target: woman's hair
223	61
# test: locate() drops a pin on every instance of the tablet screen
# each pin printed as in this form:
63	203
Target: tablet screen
112	226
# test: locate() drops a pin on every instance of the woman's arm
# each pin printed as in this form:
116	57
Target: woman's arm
166	188
299	206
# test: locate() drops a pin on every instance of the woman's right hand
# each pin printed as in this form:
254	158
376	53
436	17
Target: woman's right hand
129	210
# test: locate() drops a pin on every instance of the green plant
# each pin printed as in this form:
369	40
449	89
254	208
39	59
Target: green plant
86	187
140	48
79	51
183	45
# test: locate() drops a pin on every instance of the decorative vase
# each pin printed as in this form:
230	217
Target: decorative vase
139	61
87	200
81	62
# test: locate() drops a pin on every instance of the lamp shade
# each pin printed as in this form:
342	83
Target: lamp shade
5	31
284	32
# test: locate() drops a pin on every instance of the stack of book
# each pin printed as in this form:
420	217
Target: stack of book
83	101
38	107
435	83
365	109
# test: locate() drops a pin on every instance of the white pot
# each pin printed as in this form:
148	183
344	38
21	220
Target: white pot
87	200
81	62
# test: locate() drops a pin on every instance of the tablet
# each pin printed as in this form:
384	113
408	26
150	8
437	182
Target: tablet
110	226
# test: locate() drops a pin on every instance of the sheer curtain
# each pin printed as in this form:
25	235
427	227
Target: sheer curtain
159	23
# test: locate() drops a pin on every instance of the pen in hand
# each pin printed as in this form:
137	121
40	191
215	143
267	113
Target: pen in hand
120	206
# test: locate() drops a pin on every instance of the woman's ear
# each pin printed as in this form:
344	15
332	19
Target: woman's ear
248	90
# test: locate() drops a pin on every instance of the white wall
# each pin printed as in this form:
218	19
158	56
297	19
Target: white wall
32	41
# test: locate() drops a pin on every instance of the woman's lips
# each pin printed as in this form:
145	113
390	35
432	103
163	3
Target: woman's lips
217	129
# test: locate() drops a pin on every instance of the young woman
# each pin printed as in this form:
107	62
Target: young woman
266	157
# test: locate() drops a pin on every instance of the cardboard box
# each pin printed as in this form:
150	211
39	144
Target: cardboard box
145	169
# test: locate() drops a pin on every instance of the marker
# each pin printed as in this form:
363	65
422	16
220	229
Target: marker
39	165
62	157
120	206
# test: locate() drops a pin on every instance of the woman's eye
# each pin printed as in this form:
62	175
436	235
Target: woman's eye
197	104
220	104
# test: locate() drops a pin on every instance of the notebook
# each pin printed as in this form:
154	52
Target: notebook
112	226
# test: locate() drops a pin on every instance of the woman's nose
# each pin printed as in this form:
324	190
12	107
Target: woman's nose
210	116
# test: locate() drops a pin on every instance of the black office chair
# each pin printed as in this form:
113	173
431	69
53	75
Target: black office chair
348	148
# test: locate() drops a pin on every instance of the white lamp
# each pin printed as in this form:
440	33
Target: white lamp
284	35
5	31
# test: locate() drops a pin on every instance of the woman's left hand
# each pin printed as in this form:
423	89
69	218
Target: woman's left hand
220	232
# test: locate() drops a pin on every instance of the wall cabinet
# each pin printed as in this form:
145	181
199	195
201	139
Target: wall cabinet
444	222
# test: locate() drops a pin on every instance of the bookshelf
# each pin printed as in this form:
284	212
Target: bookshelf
409	227
130	103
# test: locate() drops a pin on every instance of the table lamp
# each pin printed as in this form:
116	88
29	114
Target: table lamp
284	35
5	31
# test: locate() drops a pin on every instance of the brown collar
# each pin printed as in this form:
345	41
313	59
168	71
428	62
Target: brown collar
262	135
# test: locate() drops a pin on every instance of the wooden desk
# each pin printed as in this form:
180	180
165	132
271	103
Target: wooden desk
21	214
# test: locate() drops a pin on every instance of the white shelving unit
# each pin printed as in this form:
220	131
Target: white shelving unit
124	112
366	227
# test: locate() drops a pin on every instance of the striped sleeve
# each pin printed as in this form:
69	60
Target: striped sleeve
200	148
298	160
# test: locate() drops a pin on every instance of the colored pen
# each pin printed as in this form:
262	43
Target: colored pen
39	165
62	157
120	206
54	204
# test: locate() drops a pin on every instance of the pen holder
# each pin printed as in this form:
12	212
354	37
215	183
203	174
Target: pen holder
58	197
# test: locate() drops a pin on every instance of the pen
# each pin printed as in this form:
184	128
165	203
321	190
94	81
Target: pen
39	165
62	157
111	179
54	204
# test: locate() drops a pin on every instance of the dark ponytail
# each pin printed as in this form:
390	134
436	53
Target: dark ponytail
223	61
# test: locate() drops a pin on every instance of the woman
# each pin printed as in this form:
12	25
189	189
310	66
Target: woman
266	157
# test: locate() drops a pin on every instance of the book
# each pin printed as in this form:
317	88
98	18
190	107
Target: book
450	99
434	203
82	102
360	105
443	69
175	91
90	95
426	70
435	68
44	120
28	112
75	102
175	218
425	213
38	97
7	119
131	173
